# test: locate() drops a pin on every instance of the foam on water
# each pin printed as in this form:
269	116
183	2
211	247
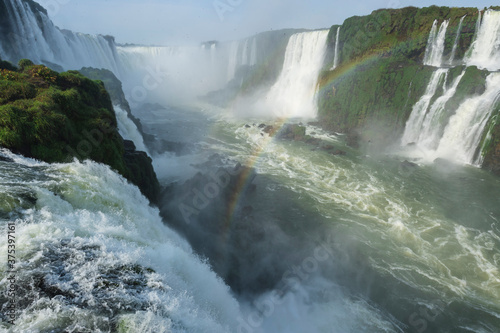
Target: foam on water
385	211
93	254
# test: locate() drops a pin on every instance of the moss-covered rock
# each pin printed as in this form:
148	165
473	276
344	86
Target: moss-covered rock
112	84
473	83
114	87
491	144
401	32
381	75
375	98
56	117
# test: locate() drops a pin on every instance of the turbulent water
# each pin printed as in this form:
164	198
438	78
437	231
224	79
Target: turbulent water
89	248
411	247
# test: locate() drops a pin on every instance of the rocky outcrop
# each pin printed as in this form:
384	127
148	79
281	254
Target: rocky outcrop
140	169
56	117
492	144
114	87
381	73
297	132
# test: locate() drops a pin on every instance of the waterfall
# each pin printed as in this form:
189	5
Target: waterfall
485	50
432	127
463	133
33	35
233	60
336	56
419	111
293	95
456	134
213	53
435	45
253	52
241	53
128	130
244	55
457	39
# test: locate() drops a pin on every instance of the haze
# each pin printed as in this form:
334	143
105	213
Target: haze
168	22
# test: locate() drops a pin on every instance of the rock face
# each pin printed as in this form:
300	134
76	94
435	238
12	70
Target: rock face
114	88
55	117
492	156
380	74
140	169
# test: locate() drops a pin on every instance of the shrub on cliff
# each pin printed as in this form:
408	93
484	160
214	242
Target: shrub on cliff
55	117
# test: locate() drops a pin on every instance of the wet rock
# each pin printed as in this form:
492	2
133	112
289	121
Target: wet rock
140	171
5	159
294	132
337	152
268	129
408	165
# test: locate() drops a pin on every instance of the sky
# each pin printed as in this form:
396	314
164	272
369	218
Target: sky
174	22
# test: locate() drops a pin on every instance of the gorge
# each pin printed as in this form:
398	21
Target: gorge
334	180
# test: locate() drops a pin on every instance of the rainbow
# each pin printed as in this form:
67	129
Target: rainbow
325	82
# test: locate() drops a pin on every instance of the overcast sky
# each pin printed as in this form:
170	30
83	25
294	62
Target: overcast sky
169	22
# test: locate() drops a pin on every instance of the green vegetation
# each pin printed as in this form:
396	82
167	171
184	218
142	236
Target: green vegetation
55	117
111	83
374	99
114	88
491	145
381	73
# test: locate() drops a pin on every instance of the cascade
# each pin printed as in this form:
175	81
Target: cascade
336	56
253	52
213	53
233	60
128	130
464	131
485	50
435	45
419	111
455	44
95	228
293	93
434	121
244	55
34	36
241	53
456	134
